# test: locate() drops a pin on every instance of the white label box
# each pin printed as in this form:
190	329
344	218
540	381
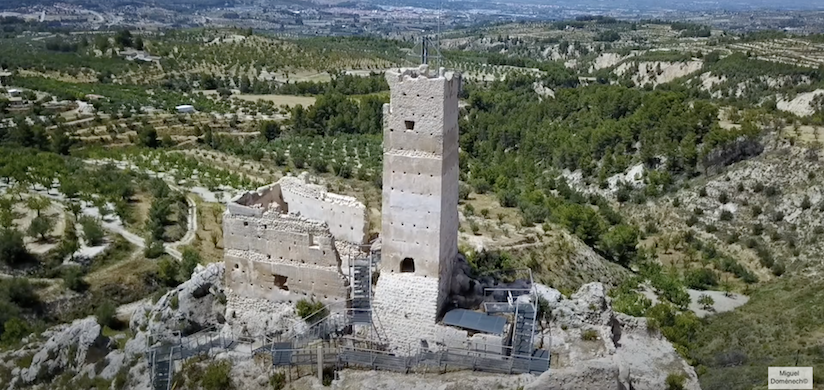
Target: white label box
790	378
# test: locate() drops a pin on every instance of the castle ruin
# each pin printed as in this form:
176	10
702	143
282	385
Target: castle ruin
293	239
288	238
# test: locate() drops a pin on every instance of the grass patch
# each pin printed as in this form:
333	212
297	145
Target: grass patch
209	224
118	251
114	335
781	325
24	361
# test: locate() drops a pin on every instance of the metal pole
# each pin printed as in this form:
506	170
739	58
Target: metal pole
320	363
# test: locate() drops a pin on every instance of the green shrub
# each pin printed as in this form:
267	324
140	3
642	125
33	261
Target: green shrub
92	231
24	361
726	215
757	229
217	376
806	203
670	288
168	272
756	211
692	220
154	249
12	249
311	311
463	191
778	268
174	303
723	198
40	226
631	303
705	301
14	330
191	258
589	335
620	242
20	292
73	279
701	279
328	376
106	315
758	187
277	381
678	328
675	382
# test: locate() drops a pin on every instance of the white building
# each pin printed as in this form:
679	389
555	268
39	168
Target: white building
185	109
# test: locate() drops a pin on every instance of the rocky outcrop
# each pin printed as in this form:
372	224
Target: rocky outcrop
68	346
197	304
595	348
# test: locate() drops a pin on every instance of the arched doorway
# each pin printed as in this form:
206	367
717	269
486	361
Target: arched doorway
408	265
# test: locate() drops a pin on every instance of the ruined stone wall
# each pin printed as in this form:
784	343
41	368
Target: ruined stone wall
405	306
345	215
279	257
286	240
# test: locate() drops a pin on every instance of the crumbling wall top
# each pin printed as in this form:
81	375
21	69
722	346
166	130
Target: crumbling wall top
345	215
420	73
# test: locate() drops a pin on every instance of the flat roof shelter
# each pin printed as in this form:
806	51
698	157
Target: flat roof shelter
472	320
185	108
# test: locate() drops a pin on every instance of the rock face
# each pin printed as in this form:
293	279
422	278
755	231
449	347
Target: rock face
68	346
197	304
592	347
596	348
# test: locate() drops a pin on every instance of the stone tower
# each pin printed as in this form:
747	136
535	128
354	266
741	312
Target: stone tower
419	232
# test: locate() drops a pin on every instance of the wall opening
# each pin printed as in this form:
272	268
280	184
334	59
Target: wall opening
313	242
410	125
408	265
280	282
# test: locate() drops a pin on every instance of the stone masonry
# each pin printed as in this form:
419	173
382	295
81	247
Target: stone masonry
419	232
280	241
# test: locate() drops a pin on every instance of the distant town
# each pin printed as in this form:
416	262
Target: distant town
392	18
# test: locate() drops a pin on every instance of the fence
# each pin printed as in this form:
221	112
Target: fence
364	353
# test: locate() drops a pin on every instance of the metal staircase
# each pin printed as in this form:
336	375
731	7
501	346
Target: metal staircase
162	360
361	271
523	330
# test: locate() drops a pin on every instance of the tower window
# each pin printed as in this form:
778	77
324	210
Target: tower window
410	125
408	265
